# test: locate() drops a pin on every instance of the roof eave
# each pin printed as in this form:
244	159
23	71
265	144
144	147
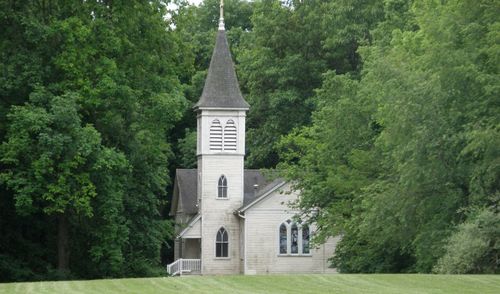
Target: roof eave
197	107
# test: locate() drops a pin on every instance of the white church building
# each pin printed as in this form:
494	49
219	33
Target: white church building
231	220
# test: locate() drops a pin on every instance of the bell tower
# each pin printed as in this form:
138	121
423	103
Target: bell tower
221	113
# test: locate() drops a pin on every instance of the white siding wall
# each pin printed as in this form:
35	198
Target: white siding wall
262	222
217	213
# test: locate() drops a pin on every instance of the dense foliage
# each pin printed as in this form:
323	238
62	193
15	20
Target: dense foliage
384	114
404	161
89	93
284	58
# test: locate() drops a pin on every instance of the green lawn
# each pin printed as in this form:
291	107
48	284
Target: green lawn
340	283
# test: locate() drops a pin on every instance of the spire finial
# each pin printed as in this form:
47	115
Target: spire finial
221	18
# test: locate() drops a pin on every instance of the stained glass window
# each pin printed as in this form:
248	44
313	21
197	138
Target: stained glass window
283	239
305	239
294	239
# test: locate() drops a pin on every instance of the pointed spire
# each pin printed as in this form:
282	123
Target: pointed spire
221	88
221	18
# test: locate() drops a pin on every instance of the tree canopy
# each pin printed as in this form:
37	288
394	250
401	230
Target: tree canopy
403	161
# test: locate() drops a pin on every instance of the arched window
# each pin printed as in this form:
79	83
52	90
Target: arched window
222	187
222	244
305	239
294	244
230	136
294	238
283	239
216	136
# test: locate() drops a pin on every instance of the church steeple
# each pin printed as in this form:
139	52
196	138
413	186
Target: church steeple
221	18
221	113
221	88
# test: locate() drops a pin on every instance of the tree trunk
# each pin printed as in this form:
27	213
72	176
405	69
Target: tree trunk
62	243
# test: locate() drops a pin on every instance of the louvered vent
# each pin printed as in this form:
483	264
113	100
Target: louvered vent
230	136
216	136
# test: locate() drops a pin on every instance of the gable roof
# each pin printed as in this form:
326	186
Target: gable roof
221	88
186	189
268	190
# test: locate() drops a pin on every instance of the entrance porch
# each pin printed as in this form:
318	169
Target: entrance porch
187	248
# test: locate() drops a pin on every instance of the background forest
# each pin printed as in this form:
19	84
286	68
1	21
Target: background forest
384	113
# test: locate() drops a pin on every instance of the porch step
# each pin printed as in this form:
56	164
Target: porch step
191	273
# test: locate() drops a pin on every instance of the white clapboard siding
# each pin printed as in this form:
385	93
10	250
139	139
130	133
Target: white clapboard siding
217	213
262	223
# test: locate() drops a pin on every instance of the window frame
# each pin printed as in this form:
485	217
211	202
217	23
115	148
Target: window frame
279	238
222	242
222	187
300	244
308	239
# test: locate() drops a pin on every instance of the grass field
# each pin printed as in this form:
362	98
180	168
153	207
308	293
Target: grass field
339	283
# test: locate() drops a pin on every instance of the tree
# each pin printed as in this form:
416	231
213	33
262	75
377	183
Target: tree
474	246
50	157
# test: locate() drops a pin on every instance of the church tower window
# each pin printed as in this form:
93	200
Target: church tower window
230	136
216	136
222	187
222	244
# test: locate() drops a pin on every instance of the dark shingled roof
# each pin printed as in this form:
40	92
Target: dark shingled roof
188	187
261	191
187	181
221	88
253	177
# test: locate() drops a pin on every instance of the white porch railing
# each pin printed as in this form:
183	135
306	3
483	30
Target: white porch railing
182	265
